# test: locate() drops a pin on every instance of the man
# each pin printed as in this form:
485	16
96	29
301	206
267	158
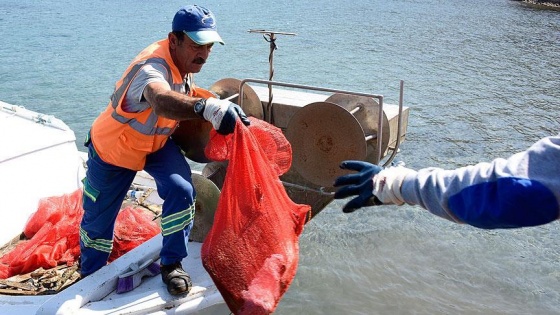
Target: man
153	95
523	190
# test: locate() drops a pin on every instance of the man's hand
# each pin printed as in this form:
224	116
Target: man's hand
358	184
223	115
372	185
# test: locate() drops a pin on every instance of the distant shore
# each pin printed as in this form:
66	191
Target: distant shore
554	4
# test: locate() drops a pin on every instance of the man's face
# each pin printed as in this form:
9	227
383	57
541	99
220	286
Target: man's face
187	55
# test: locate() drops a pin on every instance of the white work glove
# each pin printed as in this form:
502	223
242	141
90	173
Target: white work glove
223	115
387	184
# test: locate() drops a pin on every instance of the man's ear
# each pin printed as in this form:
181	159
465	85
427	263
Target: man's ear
173	40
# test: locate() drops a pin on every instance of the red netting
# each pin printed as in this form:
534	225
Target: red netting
133	227
53	235
252	250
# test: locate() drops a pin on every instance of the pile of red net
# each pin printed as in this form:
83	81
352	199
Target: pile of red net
52	235
252	250
134	226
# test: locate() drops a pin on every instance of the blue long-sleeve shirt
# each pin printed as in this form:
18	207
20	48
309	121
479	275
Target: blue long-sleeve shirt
523	190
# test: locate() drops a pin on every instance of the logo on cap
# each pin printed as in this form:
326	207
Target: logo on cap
208	21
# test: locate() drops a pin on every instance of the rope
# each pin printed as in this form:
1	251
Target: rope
270	37
272	41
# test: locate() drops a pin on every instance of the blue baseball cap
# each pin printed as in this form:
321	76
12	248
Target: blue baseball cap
198	23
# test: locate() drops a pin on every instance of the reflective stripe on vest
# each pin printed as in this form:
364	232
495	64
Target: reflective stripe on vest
143	128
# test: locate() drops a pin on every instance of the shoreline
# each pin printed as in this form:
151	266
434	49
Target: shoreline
551	4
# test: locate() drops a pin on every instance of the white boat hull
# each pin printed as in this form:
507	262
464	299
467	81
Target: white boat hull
39	159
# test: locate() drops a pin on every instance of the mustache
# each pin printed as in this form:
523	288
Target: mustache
199	61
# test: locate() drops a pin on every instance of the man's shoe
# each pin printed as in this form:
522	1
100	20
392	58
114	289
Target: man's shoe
176	279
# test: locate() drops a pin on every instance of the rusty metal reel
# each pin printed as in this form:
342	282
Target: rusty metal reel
192	136
216	172
322	135
207	196
228	87
366	111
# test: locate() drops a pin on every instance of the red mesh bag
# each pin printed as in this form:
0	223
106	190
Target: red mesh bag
252	250
54	239
53	232
133	227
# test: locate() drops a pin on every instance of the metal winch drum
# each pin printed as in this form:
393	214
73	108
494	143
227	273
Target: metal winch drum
193	135
229	88
323	134
366	110
207	197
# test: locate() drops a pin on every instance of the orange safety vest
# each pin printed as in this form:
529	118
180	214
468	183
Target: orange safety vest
125	139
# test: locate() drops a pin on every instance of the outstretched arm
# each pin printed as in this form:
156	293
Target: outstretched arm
170	104
523	190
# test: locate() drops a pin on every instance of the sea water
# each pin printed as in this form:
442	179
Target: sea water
481	78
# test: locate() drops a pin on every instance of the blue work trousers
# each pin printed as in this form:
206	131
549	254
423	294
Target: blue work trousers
105	188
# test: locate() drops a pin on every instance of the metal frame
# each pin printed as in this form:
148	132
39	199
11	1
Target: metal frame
268	109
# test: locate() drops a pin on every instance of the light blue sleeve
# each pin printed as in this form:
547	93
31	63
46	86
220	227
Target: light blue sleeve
150	72
523	190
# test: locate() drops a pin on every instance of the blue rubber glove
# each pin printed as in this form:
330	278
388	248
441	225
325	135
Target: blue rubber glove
358	184
223	115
